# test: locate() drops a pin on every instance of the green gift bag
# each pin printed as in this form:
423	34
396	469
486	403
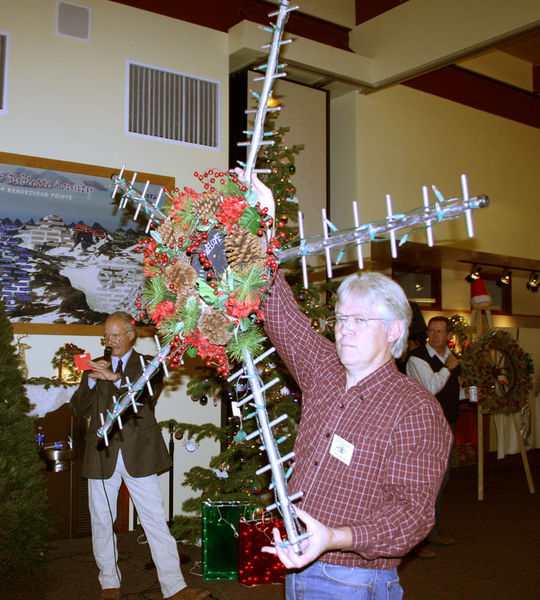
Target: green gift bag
220	531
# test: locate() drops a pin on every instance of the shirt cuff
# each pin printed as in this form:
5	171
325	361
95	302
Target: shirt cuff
360	538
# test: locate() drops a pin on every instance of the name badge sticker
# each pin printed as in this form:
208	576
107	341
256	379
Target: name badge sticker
341	449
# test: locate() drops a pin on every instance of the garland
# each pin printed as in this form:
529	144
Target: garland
207	267
501	370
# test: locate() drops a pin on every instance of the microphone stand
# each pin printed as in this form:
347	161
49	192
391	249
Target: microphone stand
184	558
171	472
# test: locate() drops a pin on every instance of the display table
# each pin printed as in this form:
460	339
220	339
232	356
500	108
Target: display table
507	421
504	437
507	439
66	489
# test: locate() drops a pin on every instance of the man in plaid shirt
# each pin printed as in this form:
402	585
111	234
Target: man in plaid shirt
372	444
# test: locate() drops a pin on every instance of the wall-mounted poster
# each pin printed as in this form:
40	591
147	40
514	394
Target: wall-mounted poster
67	251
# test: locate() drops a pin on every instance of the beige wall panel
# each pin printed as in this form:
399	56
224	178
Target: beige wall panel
407	139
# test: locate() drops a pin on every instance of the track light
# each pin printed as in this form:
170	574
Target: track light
505	279
533	283
474	274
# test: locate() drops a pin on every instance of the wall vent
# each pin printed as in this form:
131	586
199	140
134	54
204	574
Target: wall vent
73	21
4	63
172	106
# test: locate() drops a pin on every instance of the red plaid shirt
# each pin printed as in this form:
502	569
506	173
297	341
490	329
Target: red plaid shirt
400	436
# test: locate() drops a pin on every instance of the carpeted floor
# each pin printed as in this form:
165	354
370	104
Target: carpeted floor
496	553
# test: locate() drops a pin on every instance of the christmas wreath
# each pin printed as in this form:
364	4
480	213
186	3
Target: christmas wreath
501	370
65	354
207	267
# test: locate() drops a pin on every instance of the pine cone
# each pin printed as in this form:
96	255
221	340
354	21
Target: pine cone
181	275
243	249
181	298
206	205
168	234
214	326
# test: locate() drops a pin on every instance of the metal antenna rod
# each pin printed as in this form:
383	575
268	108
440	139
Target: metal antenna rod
284	502
271	74
378	231
130	193
129	398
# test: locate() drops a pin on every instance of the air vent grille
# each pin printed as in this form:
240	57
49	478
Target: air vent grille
172	106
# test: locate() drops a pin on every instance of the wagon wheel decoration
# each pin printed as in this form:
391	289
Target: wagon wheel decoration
501	370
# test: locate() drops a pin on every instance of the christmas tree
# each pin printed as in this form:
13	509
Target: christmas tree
25	521
231	475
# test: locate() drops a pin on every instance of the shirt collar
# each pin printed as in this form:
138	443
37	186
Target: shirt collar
124	359
374	379
432	352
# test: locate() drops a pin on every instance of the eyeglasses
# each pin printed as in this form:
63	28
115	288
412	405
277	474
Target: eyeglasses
353	322
113	337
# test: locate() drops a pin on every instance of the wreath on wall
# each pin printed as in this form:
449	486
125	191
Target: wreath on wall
501	369
207	268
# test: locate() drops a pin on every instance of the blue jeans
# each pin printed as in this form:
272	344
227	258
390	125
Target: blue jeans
323	581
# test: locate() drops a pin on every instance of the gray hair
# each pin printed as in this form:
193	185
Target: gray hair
128	320
387	296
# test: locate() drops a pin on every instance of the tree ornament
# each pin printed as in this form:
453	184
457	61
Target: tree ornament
267	371
292	168
191	445
240	436
178	435
203	400
222	472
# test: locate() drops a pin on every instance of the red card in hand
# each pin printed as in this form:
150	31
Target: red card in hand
81	362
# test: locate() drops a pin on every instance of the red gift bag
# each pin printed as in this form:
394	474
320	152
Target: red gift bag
256	567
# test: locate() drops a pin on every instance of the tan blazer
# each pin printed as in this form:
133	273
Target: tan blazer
140	439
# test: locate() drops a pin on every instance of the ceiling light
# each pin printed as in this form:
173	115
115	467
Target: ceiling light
474	274
533	283
273	102
505	279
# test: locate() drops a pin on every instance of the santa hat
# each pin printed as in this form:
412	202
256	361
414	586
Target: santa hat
479	293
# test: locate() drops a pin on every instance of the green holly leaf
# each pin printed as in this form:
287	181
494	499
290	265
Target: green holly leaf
250	220
206	292
220	301
245	324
